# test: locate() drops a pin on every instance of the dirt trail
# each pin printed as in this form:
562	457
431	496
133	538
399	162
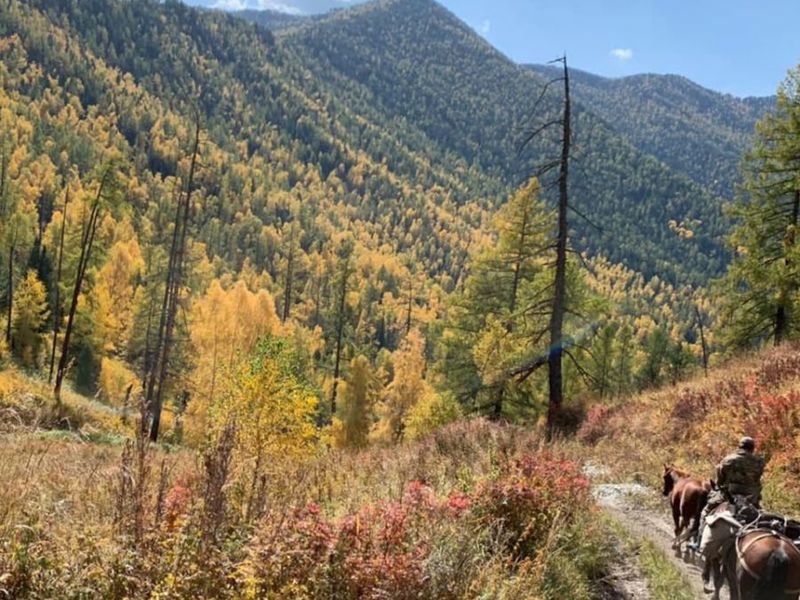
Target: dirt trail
629	504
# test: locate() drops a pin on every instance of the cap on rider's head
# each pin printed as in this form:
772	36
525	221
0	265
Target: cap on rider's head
747	443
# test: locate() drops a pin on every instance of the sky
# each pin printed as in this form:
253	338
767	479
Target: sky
740	47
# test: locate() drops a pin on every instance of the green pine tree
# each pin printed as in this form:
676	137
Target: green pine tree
760	289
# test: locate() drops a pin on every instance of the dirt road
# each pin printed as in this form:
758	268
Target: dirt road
631	506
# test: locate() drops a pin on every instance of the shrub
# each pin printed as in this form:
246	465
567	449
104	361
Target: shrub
595	425
288	557
431	412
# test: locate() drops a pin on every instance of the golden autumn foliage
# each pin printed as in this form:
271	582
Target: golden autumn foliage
407	387
30	315
267	397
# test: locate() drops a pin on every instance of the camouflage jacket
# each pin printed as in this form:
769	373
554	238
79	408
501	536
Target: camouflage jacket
740	473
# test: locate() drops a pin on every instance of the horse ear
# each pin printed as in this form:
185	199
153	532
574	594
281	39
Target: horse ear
666	467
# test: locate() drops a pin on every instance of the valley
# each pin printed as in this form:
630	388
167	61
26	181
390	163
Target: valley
347	305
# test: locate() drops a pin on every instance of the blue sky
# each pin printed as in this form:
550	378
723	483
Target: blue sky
741	47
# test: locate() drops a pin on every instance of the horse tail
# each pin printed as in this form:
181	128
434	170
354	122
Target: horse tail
776	574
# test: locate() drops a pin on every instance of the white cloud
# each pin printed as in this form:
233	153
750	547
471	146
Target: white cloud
292	7
230	4
486	27
622	53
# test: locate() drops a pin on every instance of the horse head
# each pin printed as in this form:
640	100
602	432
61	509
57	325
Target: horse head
669	479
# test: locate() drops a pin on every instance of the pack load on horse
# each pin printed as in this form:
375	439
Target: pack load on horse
755	551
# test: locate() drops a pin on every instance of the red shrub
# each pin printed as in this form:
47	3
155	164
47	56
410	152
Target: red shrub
289	554
176	504
527	501
380	551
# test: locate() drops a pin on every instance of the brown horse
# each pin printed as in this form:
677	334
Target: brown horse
687	497
761	565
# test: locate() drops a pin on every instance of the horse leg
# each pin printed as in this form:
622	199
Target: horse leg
730	572
716	578
676	518
773	582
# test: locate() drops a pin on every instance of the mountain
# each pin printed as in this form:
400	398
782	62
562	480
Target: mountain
414	67
289	7
415	95
694	130
271	19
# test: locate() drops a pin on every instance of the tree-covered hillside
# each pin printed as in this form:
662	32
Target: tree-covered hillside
694	130
230	176
413	64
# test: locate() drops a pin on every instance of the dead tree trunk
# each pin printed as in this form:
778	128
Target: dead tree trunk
57	300
409	305
11	250
340	319
287	293
699	319
87	241
157	377
554	375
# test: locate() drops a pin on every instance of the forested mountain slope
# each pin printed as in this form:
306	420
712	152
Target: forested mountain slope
404	88
694	130
412	62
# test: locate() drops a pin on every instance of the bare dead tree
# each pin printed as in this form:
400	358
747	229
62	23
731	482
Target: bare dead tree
287	293
558	309
87	243
57	291
157	367
341	318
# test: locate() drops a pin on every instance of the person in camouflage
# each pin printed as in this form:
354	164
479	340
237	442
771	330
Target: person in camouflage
738	475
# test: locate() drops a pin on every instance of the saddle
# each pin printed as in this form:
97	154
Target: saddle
751	518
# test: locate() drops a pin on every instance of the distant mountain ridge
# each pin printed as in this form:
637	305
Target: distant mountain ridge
692	129
414	62
410	121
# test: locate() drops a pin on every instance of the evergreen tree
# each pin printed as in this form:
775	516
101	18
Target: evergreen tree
655	355
602	360
760	289
623	361
30	316
500	317
356	410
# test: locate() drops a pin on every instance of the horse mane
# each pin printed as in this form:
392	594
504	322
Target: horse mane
679	472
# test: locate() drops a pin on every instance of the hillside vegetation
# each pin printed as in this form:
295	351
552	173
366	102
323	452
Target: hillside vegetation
695	131
416	66
696	423
276	305
474	511
316	214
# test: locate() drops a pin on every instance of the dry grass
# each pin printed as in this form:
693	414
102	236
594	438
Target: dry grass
696	423
472	511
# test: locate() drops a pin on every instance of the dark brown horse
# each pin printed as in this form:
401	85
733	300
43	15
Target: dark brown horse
761	565
687	497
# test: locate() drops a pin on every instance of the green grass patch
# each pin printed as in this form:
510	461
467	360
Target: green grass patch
664	580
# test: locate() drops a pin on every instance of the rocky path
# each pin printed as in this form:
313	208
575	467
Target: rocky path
630	505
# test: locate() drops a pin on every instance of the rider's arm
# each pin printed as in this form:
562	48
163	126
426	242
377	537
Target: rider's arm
720	475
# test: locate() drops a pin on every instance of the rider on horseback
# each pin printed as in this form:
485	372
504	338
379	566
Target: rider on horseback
738	476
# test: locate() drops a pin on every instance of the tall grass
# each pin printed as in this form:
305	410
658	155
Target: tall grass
475	510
